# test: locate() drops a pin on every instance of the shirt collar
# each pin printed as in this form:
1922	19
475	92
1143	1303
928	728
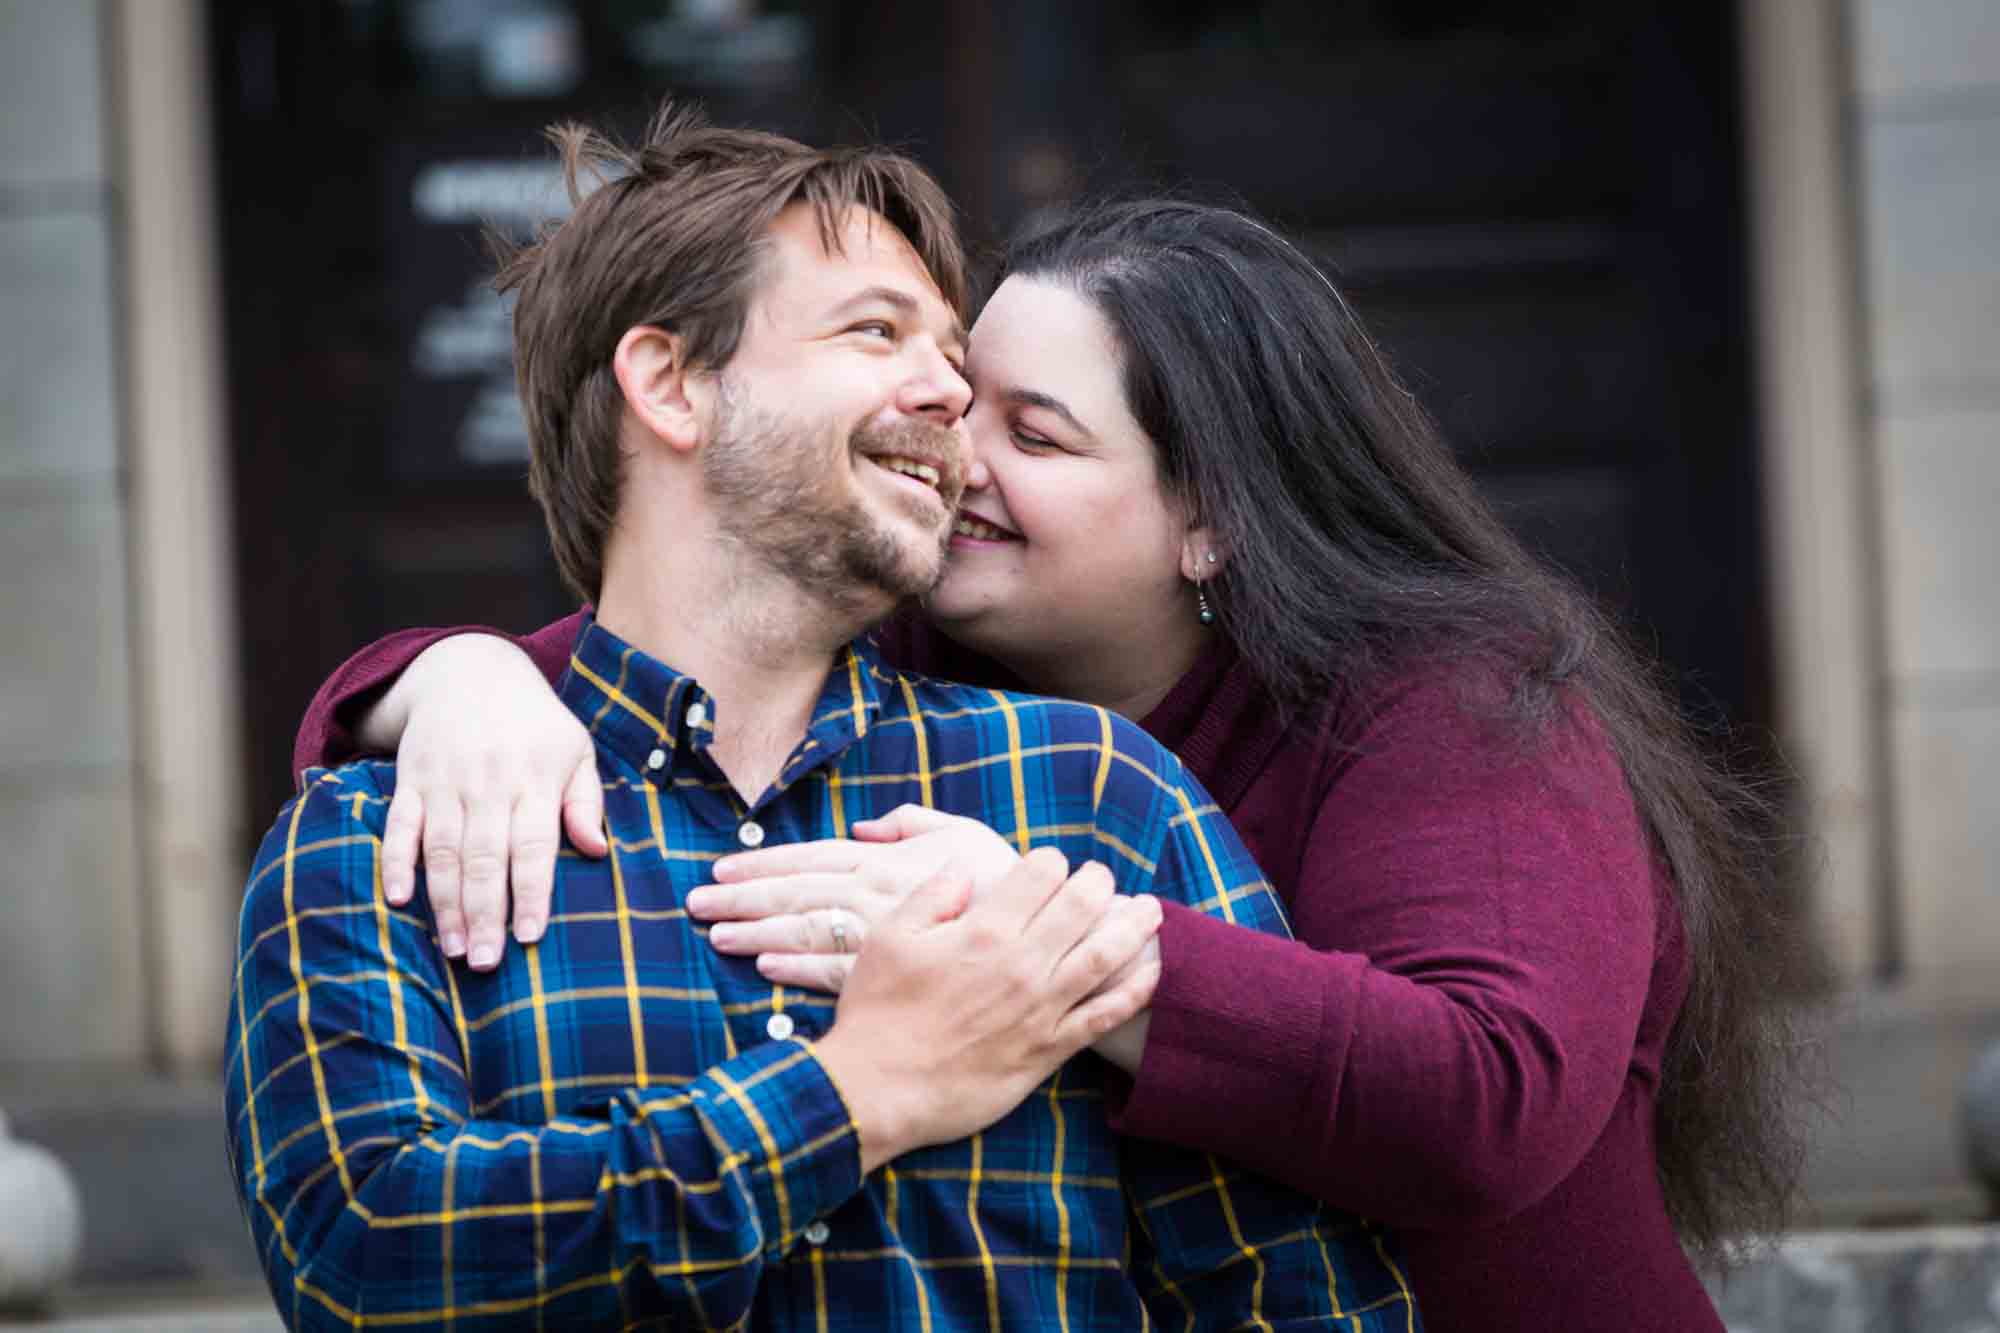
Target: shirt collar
636	705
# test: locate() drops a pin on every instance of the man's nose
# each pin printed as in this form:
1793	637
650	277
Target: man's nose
936	390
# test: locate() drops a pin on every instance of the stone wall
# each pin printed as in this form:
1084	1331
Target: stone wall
70	966
1919	109
1926	115
1921	1280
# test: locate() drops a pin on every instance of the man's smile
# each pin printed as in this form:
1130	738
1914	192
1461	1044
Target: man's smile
909	467
918	456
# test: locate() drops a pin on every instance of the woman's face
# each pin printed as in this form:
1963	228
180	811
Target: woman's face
1068	562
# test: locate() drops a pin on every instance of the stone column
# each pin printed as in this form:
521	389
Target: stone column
71	979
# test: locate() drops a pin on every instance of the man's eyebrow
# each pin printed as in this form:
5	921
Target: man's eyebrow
1048	402
904	303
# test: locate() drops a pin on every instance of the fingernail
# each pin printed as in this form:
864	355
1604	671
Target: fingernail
721	936
528	929
699	901
483	956
453	944
724	864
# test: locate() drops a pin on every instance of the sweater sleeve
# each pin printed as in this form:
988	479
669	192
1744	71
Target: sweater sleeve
326	734
1448	1038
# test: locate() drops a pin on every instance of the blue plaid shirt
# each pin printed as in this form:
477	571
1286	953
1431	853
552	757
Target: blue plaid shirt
622	1128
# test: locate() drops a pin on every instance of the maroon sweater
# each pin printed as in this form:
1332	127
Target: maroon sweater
1465	1040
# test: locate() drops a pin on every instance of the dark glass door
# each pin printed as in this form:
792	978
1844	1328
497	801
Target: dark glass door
1537	207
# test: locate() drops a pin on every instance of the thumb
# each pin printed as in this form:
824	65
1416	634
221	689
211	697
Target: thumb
941	898
583	808
905	821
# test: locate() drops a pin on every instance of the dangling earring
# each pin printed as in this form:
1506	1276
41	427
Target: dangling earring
1202	608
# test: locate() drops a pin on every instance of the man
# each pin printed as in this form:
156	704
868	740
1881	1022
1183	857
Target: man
738	361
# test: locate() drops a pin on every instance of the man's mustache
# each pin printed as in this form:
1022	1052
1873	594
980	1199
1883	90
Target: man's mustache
920	442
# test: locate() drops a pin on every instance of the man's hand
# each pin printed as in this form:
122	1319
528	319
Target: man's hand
491	769
956	1012
807	908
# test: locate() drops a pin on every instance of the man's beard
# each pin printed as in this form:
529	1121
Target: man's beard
778	504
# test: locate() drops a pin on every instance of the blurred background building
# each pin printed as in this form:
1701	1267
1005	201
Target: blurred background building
1706	294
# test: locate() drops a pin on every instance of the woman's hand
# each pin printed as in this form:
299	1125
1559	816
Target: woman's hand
491	769
806	909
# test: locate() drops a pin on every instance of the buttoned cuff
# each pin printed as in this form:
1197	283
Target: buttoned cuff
777	1111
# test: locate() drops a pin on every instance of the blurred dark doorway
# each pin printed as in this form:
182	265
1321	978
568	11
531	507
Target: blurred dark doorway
1538	207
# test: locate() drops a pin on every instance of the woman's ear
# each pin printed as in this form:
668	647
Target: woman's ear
1202	556
660	390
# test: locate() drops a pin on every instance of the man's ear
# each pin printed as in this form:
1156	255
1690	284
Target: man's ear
653	374
1202	556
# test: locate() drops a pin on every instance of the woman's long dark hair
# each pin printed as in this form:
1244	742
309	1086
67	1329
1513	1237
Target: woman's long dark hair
1357	545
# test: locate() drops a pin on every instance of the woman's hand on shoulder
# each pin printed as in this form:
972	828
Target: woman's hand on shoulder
491	769
806	909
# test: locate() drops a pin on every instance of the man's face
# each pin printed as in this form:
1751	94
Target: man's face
835	455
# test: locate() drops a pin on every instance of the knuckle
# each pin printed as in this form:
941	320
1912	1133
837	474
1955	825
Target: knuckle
1047	863
534	849
493	766
1097	895
482	912
1092	878
483	909
415	764
482	866
443	821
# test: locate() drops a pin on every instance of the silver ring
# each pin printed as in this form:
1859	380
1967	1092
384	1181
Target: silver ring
839	935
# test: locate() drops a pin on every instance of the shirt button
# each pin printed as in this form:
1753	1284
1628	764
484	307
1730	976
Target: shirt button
780	1026
751	834
657	760
817	1232
696	714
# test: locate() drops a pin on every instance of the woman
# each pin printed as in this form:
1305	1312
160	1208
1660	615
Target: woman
1522	1023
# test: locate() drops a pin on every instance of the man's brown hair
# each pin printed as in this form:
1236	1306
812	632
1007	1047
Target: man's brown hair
672	236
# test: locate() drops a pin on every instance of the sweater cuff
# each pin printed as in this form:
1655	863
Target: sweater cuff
776	1110
326	734
1237	1039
